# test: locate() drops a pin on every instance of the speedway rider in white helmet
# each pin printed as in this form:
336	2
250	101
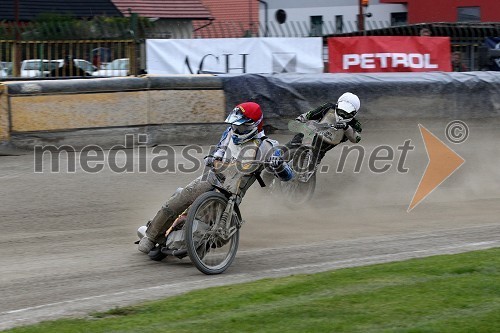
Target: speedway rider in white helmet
243	140
341	116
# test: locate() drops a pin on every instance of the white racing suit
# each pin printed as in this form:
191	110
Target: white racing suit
259	149
330	138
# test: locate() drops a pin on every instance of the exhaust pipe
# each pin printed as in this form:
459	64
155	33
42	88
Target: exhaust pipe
176	253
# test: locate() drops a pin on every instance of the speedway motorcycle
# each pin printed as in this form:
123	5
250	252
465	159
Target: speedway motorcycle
304	160
209	230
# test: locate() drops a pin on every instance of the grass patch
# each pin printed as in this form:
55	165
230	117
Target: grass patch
449	293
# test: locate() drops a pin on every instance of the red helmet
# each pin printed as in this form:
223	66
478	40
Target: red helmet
248	112
246	121
252	111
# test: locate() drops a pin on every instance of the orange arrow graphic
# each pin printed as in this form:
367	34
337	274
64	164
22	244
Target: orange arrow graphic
443	162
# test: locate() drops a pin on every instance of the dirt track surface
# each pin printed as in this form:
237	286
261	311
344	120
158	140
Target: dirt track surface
67	238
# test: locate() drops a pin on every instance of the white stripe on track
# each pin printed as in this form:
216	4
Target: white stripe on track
242	277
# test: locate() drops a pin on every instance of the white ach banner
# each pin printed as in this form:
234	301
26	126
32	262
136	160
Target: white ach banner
234	55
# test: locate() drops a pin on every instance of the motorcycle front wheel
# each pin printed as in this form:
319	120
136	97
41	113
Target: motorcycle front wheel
207	249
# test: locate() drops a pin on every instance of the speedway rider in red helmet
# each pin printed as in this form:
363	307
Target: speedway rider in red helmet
244	140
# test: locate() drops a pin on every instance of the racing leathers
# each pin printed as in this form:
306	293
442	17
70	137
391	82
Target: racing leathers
325	113
226	153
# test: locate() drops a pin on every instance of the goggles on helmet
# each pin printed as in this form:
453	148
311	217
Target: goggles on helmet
243	128
237	117
344	114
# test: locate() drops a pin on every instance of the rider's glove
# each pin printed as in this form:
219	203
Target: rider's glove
279	167
301	119
341	126
276	160
209	160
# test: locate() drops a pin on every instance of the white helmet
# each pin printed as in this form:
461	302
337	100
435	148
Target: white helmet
347	106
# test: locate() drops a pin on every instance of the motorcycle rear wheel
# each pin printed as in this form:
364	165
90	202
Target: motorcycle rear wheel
207	250
298	190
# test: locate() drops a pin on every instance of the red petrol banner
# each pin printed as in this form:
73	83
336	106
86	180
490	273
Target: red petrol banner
389	54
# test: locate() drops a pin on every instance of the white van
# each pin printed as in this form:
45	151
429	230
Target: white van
38	67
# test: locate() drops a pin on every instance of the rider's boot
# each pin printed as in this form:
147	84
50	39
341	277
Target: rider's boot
146	245
296	140
156	230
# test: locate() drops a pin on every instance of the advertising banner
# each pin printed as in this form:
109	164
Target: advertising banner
388	54
234	55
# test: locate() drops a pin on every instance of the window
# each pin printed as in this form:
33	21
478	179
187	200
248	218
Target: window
316	26
280	16
339	24
41	65
399	18
469	14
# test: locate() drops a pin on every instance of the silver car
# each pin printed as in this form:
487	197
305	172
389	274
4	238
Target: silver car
118	67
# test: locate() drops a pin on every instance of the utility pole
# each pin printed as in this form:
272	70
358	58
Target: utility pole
16	50
266	7
250	19
361	17
362	4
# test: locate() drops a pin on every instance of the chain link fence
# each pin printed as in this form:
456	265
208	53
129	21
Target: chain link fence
65	58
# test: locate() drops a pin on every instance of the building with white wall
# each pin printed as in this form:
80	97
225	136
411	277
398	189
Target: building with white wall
323	17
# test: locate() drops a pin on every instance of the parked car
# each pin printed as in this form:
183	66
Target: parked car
4	71
38	67
7	65
118	67
42	67
83	64
86	66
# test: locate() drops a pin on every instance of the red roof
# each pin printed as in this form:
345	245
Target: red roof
234	10
174	9
233	18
